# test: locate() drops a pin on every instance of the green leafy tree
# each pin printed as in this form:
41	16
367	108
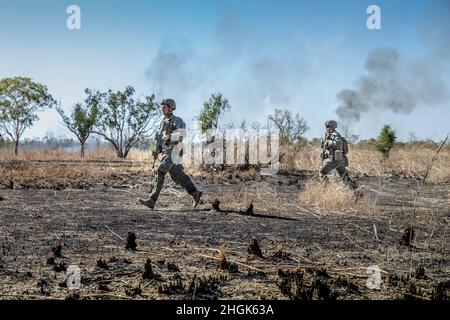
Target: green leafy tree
123	120
291	127
20	100
211	112
83	117
386	140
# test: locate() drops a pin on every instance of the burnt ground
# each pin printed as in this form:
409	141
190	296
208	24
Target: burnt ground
305	253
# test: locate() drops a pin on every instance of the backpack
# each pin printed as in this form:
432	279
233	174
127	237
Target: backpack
344	145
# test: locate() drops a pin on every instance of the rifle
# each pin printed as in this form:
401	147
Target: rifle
322	154
155	156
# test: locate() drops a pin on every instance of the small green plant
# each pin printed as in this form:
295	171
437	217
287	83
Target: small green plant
386	140
211	112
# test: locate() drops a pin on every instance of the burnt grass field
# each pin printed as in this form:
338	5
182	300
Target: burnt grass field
251	238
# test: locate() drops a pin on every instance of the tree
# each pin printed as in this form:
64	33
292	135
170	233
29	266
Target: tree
211	112
386	140
4	143
83	117
123	120
20	100
208	119
347	132
291	127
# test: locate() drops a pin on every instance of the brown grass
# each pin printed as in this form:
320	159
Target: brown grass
333	196
58	154
407	160
404	161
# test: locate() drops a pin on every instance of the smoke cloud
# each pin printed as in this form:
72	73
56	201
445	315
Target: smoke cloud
175	68
240	64
398	83
393	83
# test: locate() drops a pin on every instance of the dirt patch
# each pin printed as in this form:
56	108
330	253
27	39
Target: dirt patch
281	255
315	284
102	264
184	243
442	291
172	267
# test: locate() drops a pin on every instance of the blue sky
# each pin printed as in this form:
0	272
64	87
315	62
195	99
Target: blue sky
262	55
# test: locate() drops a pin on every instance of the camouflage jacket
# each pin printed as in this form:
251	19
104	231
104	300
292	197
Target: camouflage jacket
330	143
171	127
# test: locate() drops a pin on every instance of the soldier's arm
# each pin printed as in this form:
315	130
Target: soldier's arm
157	149
158	139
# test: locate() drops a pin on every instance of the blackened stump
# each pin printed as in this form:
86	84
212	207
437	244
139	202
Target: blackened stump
131	241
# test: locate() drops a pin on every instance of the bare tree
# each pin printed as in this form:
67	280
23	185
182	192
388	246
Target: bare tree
291	127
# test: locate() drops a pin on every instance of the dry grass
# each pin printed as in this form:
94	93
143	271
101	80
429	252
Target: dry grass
406	160
333	196
101	154
26	169
403	161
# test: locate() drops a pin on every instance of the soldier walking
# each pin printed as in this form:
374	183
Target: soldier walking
334	155
167	138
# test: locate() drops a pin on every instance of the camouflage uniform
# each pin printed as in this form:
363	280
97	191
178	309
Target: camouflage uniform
168	126
330	144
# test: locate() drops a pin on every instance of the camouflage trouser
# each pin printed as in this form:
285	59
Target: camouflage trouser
177	174
328	165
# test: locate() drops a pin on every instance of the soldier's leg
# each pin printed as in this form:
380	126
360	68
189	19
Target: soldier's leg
165	167
159	183
326	168
343	173
181	178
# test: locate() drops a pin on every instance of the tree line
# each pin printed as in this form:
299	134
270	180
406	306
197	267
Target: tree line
119	117
125	121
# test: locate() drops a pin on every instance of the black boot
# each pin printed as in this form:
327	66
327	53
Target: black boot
150	203
196	195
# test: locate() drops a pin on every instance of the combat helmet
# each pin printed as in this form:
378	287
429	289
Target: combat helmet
331	123
170	103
